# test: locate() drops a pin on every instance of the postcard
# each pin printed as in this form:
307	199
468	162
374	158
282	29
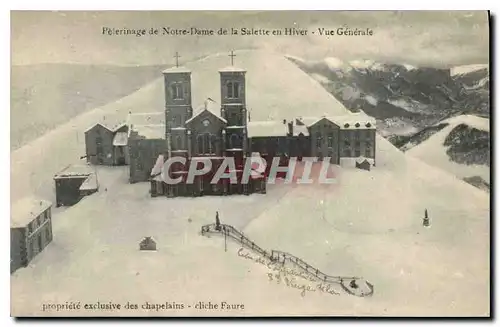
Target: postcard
250	164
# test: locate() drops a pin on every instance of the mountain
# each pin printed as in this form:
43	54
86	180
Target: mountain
403	98
368	224
459	145
52	94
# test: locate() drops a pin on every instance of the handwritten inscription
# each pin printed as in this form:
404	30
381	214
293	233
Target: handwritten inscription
290	277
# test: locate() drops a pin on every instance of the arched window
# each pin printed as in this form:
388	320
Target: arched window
233	90
176	91
234	141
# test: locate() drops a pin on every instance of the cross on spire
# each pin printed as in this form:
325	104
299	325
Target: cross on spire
232	55
177	59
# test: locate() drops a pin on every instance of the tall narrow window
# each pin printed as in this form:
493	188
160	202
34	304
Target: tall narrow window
178	143
233	90
176	89
330	140
234	141
318	141
199	141
368	150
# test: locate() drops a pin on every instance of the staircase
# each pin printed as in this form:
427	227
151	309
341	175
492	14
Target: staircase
348	283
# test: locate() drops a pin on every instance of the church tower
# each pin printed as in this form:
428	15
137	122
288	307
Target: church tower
178	108
233	109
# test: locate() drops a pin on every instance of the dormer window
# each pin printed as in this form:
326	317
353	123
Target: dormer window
176	89
368	125
346	125
233	90
357	125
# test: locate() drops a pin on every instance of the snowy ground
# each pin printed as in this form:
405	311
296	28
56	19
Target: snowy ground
369	225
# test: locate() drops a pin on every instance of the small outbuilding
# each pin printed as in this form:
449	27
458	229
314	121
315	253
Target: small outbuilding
73	183
363	163
106	142
147	244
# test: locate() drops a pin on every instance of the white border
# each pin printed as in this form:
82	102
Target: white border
179	5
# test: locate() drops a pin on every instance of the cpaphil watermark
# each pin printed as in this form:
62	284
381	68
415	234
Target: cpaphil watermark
308	170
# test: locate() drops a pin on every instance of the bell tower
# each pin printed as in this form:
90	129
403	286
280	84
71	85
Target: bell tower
233	107
178	107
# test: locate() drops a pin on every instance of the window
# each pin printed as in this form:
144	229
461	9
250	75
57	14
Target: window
233	90
206	143
234	118
176	90
357	152
178	143
234	141
30	228
47	235
347	152
368	150
39	220
318	141
330	140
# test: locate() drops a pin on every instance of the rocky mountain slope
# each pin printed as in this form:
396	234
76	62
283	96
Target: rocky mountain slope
404	98
461	146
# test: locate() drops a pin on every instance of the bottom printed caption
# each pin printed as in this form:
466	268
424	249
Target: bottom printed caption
145	306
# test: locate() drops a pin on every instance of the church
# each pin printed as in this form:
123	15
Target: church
215	131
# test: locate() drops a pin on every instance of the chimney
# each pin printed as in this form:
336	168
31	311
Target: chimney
290	128
284	121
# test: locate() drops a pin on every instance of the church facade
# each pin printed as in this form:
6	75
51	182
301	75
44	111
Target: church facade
220	130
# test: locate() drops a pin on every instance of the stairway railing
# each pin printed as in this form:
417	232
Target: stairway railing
282	257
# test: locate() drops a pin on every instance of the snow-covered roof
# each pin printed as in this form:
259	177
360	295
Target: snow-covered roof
27	209
112	124
151	131
363	159
75	171
147	118
297	129
349	121
173	70
232	69
209	105
150	125
90	183
120	139
266	128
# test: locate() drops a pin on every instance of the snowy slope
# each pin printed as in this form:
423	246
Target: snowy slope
276	89
52	94
465	69
433	151
369	225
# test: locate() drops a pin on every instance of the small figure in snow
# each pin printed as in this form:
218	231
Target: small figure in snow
426	221
217	221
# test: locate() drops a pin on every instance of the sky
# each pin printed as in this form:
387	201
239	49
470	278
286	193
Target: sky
421	38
